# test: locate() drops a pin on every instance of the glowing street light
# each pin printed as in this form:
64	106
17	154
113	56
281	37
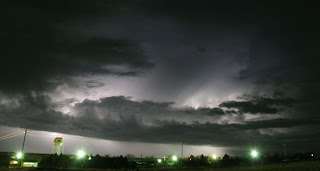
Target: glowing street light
254	153
19	155
159	160
174	158
81	154
214	156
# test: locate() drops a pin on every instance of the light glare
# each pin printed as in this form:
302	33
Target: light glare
214	156
174	158
19	155
81	154
254	153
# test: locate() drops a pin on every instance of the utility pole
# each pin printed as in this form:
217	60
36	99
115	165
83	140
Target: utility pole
285	151
181	153
24	139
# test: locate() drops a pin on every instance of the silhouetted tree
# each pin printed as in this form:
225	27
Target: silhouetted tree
4	159
55	161
226	157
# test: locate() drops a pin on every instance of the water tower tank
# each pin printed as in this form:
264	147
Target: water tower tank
58	145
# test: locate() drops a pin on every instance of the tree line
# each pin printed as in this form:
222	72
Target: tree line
54	161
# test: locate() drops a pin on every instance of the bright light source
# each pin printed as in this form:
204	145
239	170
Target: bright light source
89	158
254	153
19	155
13	162
214	157
81	154
174	158
159	160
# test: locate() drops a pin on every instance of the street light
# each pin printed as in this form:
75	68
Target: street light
214	156
254	153
174	158
81	154
19	155
159	160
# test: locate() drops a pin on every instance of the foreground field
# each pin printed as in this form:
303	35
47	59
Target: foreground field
297	166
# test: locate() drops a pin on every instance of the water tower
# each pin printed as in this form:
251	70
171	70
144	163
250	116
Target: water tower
58	145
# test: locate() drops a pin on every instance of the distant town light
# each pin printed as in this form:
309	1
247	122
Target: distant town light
81	154
174	158
214	156
311	155
14	162
254	153
19	155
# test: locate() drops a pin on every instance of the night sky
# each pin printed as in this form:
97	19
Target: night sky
118	77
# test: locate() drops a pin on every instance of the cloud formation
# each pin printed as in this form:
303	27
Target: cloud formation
259	105
119	118
39	55
216	72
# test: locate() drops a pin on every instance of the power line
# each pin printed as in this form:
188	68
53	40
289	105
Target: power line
11	135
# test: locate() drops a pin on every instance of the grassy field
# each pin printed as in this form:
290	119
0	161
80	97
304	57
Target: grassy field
297	166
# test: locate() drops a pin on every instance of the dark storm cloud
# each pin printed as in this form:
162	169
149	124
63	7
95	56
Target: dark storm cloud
213	111
283	56
38	55
32	112
117	106
207	53
280	123
91	84
248	107
260	105
205	111
119	118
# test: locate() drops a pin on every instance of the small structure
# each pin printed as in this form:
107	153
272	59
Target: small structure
57	145
29	161
30	164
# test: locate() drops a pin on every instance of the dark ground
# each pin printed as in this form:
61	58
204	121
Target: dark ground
298	166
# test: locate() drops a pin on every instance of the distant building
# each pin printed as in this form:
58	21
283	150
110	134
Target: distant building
30	164
29	160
